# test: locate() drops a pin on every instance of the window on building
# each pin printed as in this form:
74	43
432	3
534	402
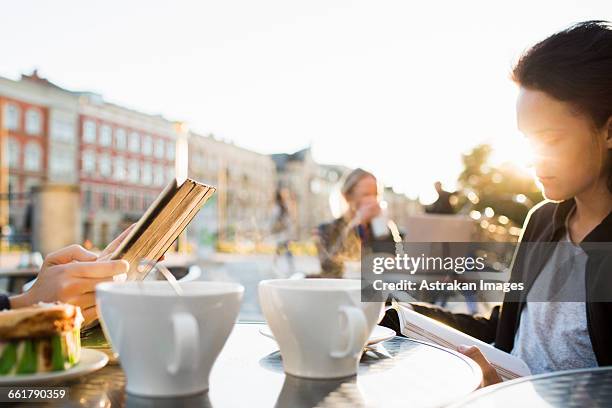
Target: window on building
212	164
134	142
87	198
147	145
134	202
120	172
62	130
147	173
12	116
159	178
61	163
120	139
106	135
145	201
104	200
33	121
194	159
104	234
133	172
169	173
170	150
159	148
14	153
111	200
105	164
119	201
89	131
32	158
88	163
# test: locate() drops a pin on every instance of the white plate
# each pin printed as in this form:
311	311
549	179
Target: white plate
379	334
91	360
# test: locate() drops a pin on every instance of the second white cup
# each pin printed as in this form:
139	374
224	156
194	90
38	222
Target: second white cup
320	325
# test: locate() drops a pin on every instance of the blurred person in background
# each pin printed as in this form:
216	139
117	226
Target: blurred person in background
339	242
443	204
283	226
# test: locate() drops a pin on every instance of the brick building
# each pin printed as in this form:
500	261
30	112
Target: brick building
121	159
125	158
35	115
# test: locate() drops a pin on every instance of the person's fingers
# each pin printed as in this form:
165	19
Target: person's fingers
83	300
110	248
89	315
69	254
474	353
489	374
74	289
97	269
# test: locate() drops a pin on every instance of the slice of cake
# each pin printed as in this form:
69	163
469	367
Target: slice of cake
40	338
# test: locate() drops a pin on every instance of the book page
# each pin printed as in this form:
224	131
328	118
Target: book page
423	328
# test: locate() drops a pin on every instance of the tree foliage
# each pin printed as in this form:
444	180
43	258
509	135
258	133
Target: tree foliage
500	187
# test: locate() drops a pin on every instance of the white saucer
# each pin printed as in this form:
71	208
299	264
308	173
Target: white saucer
379	334
91	360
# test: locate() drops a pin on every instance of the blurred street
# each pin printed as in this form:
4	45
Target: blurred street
249	270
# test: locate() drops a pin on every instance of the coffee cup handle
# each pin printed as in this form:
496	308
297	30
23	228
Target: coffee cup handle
186	335
356	325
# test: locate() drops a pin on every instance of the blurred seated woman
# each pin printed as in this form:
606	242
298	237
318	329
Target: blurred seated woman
339	242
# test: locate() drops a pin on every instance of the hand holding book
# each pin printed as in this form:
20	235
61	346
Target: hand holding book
415	325
489	373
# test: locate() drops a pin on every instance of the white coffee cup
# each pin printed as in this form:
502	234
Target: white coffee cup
320	325
167	344
379	224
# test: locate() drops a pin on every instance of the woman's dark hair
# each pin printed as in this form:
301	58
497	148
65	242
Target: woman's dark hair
574	66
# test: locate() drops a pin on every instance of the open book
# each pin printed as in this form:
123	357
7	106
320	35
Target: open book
423	328
161	225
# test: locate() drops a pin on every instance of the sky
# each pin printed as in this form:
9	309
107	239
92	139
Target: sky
401	88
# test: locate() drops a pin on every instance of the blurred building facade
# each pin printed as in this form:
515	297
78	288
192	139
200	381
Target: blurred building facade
245	181
125	158
121	159
37	130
